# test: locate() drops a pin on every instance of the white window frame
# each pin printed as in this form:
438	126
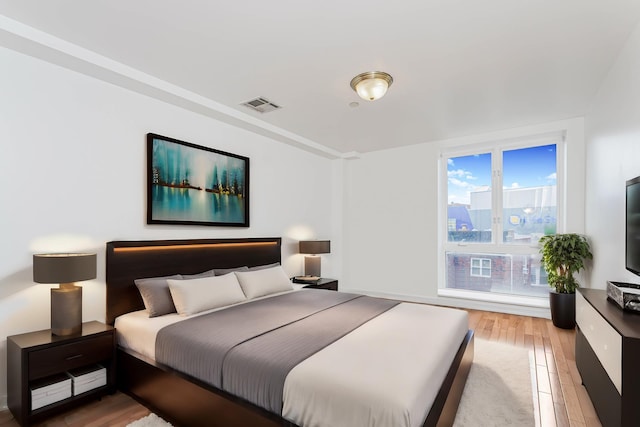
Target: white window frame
496	246
480	267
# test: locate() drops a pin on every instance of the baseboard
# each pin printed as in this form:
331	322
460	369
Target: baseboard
522	310
3	403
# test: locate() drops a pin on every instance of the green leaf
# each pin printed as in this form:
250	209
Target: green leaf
562	256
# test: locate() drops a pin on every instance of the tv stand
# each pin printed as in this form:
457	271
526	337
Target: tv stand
607	354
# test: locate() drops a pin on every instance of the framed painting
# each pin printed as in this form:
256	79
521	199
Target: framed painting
195	185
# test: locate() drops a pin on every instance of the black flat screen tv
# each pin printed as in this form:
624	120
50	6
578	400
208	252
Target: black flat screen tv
632	238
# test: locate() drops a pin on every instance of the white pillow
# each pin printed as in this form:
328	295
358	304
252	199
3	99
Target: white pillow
263	282
194	296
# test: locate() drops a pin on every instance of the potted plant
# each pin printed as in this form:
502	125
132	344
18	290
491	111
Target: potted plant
562	256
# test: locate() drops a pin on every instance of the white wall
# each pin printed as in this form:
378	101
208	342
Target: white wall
613	156
72	177
391	214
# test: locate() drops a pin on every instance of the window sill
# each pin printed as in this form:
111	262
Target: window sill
537	302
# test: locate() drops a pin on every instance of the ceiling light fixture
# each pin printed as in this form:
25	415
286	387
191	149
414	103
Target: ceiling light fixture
371	85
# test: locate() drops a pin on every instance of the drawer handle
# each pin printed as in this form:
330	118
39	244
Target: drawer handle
74	357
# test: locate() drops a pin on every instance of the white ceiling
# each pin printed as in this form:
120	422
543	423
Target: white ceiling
460	67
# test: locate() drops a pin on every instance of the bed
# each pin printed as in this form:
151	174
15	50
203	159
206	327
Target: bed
307	389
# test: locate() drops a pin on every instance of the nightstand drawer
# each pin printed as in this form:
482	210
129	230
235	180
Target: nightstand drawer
69	356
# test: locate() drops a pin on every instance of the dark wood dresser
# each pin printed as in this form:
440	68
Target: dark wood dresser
608	357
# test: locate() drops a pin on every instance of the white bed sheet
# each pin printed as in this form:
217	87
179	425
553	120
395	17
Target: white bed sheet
387	372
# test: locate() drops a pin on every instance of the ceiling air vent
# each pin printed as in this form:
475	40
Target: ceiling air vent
261	105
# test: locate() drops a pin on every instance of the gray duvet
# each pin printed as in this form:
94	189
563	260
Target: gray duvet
248	350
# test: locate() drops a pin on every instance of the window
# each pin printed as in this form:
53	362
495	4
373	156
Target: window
480	267
500	199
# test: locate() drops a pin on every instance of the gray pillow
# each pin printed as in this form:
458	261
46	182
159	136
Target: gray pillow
156	295
223	271
262	267
208	273
214	272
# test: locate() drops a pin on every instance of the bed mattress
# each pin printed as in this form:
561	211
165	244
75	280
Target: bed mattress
385	372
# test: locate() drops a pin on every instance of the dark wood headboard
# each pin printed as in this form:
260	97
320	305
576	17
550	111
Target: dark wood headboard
130	260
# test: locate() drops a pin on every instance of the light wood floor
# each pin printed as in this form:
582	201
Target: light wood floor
560	399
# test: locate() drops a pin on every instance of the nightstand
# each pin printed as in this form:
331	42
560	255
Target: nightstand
37	356
329	284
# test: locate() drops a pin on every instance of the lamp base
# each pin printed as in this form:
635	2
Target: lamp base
66	309
312	265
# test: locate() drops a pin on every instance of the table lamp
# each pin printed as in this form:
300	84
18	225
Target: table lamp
312	261
66	300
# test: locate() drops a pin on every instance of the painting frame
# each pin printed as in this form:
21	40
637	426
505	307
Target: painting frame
190	184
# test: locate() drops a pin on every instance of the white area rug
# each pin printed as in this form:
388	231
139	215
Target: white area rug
151	420
498	390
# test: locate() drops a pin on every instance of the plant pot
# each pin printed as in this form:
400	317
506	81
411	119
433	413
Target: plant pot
563	309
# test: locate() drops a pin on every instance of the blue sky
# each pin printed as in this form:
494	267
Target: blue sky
526	167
